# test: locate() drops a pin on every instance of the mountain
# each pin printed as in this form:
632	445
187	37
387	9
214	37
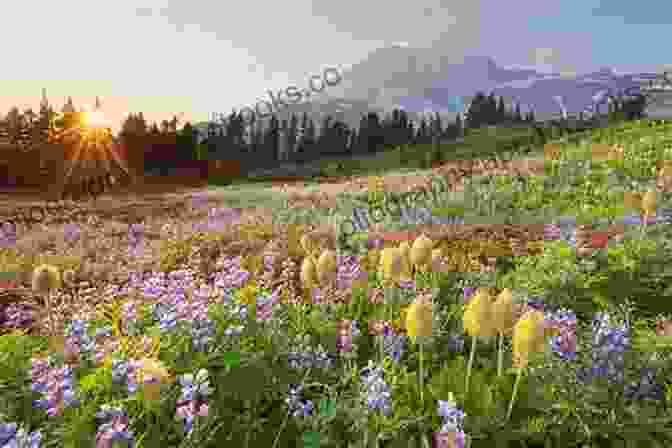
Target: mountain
423	80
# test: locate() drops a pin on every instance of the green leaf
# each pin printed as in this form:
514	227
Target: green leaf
327	408
231	359
311	439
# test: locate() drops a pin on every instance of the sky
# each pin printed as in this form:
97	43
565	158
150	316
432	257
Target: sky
198	57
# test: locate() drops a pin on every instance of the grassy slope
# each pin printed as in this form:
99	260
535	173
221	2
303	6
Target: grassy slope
478	144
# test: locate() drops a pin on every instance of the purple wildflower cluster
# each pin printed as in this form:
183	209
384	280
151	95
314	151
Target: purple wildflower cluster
219	219
266	304
72	233
563	229
113	429
231	276
564	344
297	405
348	332
55	384
11	436
136	238
175	307
453	421
8	235
609	345
349	270
192	402
17	315
79	341
377	393
310	358
394	344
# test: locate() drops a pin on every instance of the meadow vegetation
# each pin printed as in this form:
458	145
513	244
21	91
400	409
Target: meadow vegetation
263	333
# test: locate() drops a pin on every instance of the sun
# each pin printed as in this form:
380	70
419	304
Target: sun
95	119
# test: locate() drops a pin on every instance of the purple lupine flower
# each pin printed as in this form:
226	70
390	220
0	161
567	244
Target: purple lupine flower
115	430
195	390
453	418
552	232
189	411
297	406
195	387
318	359
394	345
219	219
78	338
203	333
17	315
120	371
648	387
8	235
376	391
452	424
232	276
11	436
609	345
72	233
265	306
348	331
564	344
349	271
56	386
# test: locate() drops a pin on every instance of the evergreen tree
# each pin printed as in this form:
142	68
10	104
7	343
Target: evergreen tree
501	111
421	136
491	108
532	117
518	116
292	133
477	115
186	142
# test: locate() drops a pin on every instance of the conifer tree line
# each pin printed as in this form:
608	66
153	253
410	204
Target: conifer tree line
269	142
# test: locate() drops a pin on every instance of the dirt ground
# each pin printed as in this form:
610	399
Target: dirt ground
163	199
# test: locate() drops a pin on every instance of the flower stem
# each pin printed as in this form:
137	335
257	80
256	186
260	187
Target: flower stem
500	355
513	394
470	364
422	402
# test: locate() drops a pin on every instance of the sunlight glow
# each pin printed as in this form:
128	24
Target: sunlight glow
95	119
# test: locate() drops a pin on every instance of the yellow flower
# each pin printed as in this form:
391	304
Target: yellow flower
437	260
406	274
308	273
477	318
419	319
421	252
327	267
528	337
45	278
649	203
632	200
372	260
151	375
307	244
503	312
248	294
390	263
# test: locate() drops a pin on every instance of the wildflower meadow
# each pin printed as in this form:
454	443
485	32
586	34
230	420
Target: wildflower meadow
392	343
